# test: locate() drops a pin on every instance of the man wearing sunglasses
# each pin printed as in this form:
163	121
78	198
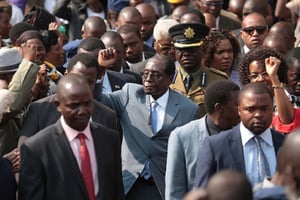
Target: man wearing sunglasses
254	31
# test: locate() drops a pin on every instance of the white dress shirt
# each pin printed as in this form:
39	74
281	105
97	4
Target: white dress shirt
161	108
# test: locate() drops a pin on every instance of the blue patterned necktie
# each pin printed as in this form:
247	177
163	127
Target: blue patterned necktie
262	162
154	105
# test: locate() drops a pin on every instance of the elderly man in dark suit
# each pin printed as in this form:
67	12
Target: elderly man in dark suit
74	158
250	147
148	114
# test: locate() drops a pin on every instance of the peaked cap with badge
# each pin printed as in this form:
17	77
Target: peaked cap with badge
188	35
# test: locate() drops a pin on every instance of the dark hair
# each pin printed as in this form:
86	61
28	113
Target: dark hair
88	60
292	55
218	91
50	38
195	12
170	66
260	54
39	17
256	88
129	28
91	43
28	35
212	40
18	29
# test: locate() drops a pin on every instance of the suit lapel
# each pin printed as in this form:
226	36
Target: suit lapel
277	140
171	111
70	159
236	149
100	157
114	83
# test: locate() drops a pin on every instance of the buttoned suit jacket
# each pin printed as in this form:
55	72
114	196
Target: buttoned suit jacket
183	148
199	85
139	143
43	113
49	169
225	151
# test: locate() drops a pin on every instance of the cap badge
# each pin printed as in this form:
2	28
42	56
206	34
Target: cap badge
189	33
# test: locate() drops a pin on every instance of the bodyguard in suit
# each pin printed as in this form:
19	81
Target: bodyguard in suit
148	114
221	100
112	39
250	147
191	78
74	158
36	119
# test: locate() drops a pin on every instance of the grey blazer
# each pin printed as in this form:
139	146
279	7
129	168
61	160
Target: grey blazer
183	149
139	142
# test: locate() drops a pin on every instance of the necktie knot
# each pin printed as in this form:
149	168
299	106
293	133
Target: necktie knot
81	137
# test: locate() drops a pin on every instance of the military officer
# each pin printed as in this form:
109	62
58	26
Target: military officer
192	78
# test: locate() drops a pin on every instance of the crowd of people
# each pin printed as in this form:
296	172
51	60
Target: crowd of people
149	99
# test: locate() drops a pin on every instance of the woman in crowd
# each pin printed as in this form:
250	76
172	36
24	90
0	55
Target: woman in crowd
268	67
219	51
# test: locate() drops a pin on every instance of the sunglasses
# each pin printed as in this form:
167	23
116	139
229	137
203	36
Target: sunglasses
259	29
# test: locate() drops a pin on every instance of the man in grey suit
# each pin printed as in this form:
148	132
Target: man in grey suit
184	142
145	140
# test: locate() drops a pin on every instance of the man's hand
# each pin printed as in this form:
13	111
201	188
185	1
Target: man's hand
107	57
15	159
272	65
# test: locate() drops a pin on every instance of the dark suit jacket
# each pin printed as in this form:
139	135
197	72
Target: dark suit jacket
43	113
224	151
50	170
139	67
137	76
8	184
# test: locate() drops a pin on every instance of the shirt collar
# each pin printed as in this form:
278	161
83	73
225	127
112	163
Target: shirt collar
130	64
247	135
161	101
72	133
185	74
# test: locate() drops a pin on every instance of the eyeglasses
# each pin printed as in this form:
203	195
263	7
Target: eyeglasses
259	29
151	75
210	4
255	76
165	48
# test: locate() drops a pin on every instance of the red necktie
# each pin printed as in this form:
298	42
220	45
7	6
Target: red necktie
86	168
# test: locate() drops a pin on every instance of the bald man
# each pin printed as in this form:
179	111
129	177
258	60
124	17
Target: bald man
93	27
73	174
286	29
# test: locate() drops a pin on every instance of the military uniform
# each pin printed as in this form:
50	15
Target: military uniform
199	85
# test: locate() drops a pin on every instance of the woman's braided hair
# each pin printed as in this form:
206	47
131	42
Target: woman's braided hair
259	54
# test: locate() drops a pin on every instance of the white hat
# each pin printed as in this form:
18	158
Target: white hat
10	59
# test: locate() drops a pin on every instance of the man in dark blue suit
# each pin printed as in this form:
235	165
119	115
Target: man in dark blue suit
250	147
